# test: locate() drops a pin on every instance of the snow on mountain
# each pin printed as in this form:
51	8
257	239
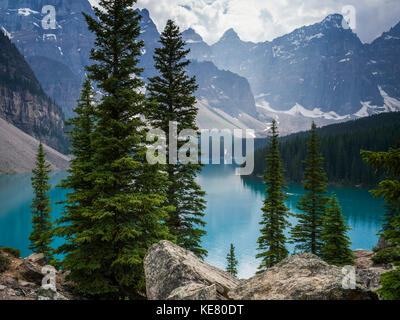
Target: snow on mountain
299	110
390	105
26	12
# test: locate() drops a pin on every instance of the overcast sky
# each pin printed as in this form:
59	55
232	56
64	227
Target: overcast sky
261	20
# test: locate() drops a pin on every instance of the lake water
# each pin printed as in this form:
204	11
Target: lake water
232	216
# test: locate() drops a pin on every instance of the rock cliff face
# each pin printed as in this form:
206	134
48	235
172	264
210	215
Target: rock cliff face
223	89
23	102
57	53
176	274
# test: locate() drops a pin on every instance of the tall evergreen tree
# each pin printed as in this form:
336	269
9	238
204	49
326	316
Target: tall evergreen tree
41	236
336	243
307	233
173	92
127	214
232	261
389	190
79	183
272	241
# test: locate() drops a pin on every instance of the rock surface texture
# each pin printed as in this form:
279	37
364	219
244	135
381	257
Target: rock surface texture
369	273
22	279
176	274
300	277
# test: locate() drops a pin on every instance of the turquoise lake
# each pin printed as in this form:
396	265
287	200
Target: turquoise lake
232	216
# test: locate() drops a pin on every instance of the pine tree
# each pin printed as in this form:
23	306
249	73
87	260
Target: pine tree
389	190
307	233
272	241
231	261
127	214
336	244
41	236
173	90
73	224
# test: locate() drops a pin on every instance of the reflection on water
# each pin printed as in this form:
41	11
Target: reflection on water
15	217
233	213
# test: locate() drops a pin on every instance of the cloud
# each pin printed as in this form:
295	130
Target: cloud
261	20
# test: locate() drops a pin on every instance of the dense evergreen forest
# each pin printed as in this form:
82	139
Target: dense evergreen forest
340	145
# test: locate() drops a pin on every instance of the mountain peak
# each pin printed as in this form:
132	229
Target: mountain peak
191	35
333	21
395	31
230	35
145	13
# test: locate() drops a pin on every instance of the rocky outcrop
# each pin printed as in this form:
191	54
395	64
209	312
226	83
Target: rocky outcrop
383	244
176	274
301	277
32	279
369	273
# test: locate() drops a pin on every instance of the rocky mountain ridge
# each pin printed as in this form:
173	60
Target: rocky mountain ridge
58	52
320	73
23	102
324	68
58	57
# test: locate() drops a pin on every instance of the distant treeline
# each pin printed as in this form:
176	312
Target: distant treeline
340	145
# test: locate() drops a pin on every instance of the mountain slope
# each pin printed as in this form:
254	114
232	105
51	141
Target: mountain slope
18	151
58	56
222	95
223	89
323	66
65	49
23	102
384	63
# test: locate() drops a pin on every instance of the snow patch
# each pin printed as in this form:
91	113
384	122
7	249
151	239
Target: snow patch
389	105
317	36
392	104
26	12
364	111
316	113
299	110
391	38
192	41
49	36
6	33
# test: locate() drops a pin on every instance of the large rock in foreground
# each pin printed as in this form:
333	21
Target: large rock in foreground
301	277
176	274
